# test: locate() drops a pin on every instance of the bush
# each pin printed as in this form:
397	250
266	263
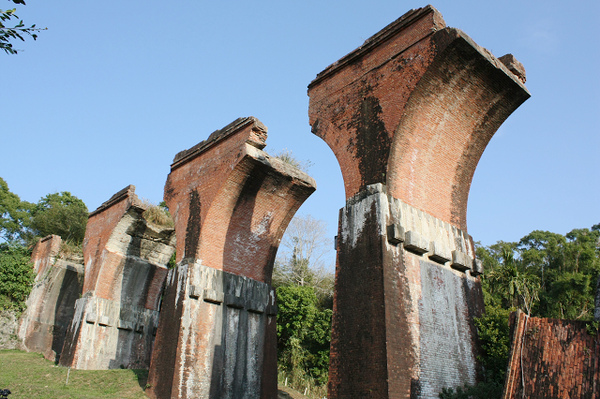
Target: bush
303	334
158	215
16	277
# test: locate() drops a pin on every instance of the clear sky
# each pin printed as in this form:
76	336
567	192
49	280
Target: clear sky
113	90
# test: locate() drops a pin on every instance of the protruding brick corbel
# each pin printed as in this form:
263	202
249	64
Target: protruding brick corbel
414	108
125	270
231	203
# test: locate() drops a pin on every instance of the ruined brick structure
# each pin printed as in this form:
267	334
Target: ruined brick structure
125	269
50	305
552	358
408	115
231	203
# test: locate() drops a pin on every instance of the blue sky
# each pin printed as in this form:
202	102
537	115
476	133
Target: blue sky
113	90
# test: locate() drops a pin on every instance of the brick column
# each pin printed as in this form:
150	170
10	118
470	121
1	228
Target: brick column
231	203
408	115
125	269
50	305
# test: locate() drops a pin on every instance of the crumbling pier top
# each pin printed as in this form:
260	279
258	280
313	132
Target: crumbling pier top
231	203
126	260
408	116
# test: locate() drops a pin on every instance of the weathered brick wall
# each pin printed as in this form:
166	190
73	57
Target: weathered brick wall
552	358
404	303
44	253
231	203
116	319
408	115
414	107
51	303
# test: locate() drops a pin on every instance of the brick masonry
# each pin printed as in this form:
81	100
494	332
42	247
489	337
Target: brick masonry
51	303
115	320
551	358
414	108
408	115
231	203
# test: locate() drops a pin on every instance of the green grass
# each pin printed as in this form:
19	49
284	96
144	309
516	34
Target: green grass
29	375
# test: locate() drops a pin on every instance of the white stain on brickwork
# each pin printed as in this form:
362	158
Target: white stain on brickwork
358	211
248	243
447	357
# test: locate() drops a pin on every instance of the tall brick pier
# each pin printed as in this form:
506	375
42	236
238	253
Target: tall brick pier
408	115
50	306
231	203
125	269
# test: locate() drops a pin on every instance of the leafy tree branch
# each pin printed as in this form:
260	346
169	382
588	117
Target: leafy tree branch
12	28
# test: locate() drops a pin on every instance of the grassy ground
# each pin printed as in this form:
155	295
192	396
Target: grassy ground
29	375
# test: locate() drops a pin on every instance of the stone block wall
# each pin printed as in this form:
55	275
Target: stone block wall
125	256
51	303
406	294
231	203
552	358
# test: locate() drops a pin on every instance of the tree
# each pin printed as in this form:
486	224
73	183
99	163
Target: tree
305	301
17	31
21	222
14	215
544	273
507	283
303	253
303	334
62	214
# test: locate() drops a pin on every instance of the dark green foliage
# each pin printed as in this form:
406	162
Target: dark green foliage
303	333
493	329
16	277
305	301
592	327
546	275
14	215
62	214
21	222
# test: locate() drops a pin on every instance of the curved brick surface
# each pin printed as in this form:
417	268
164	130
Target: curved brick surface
414	108
231	203
125	269
408	116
